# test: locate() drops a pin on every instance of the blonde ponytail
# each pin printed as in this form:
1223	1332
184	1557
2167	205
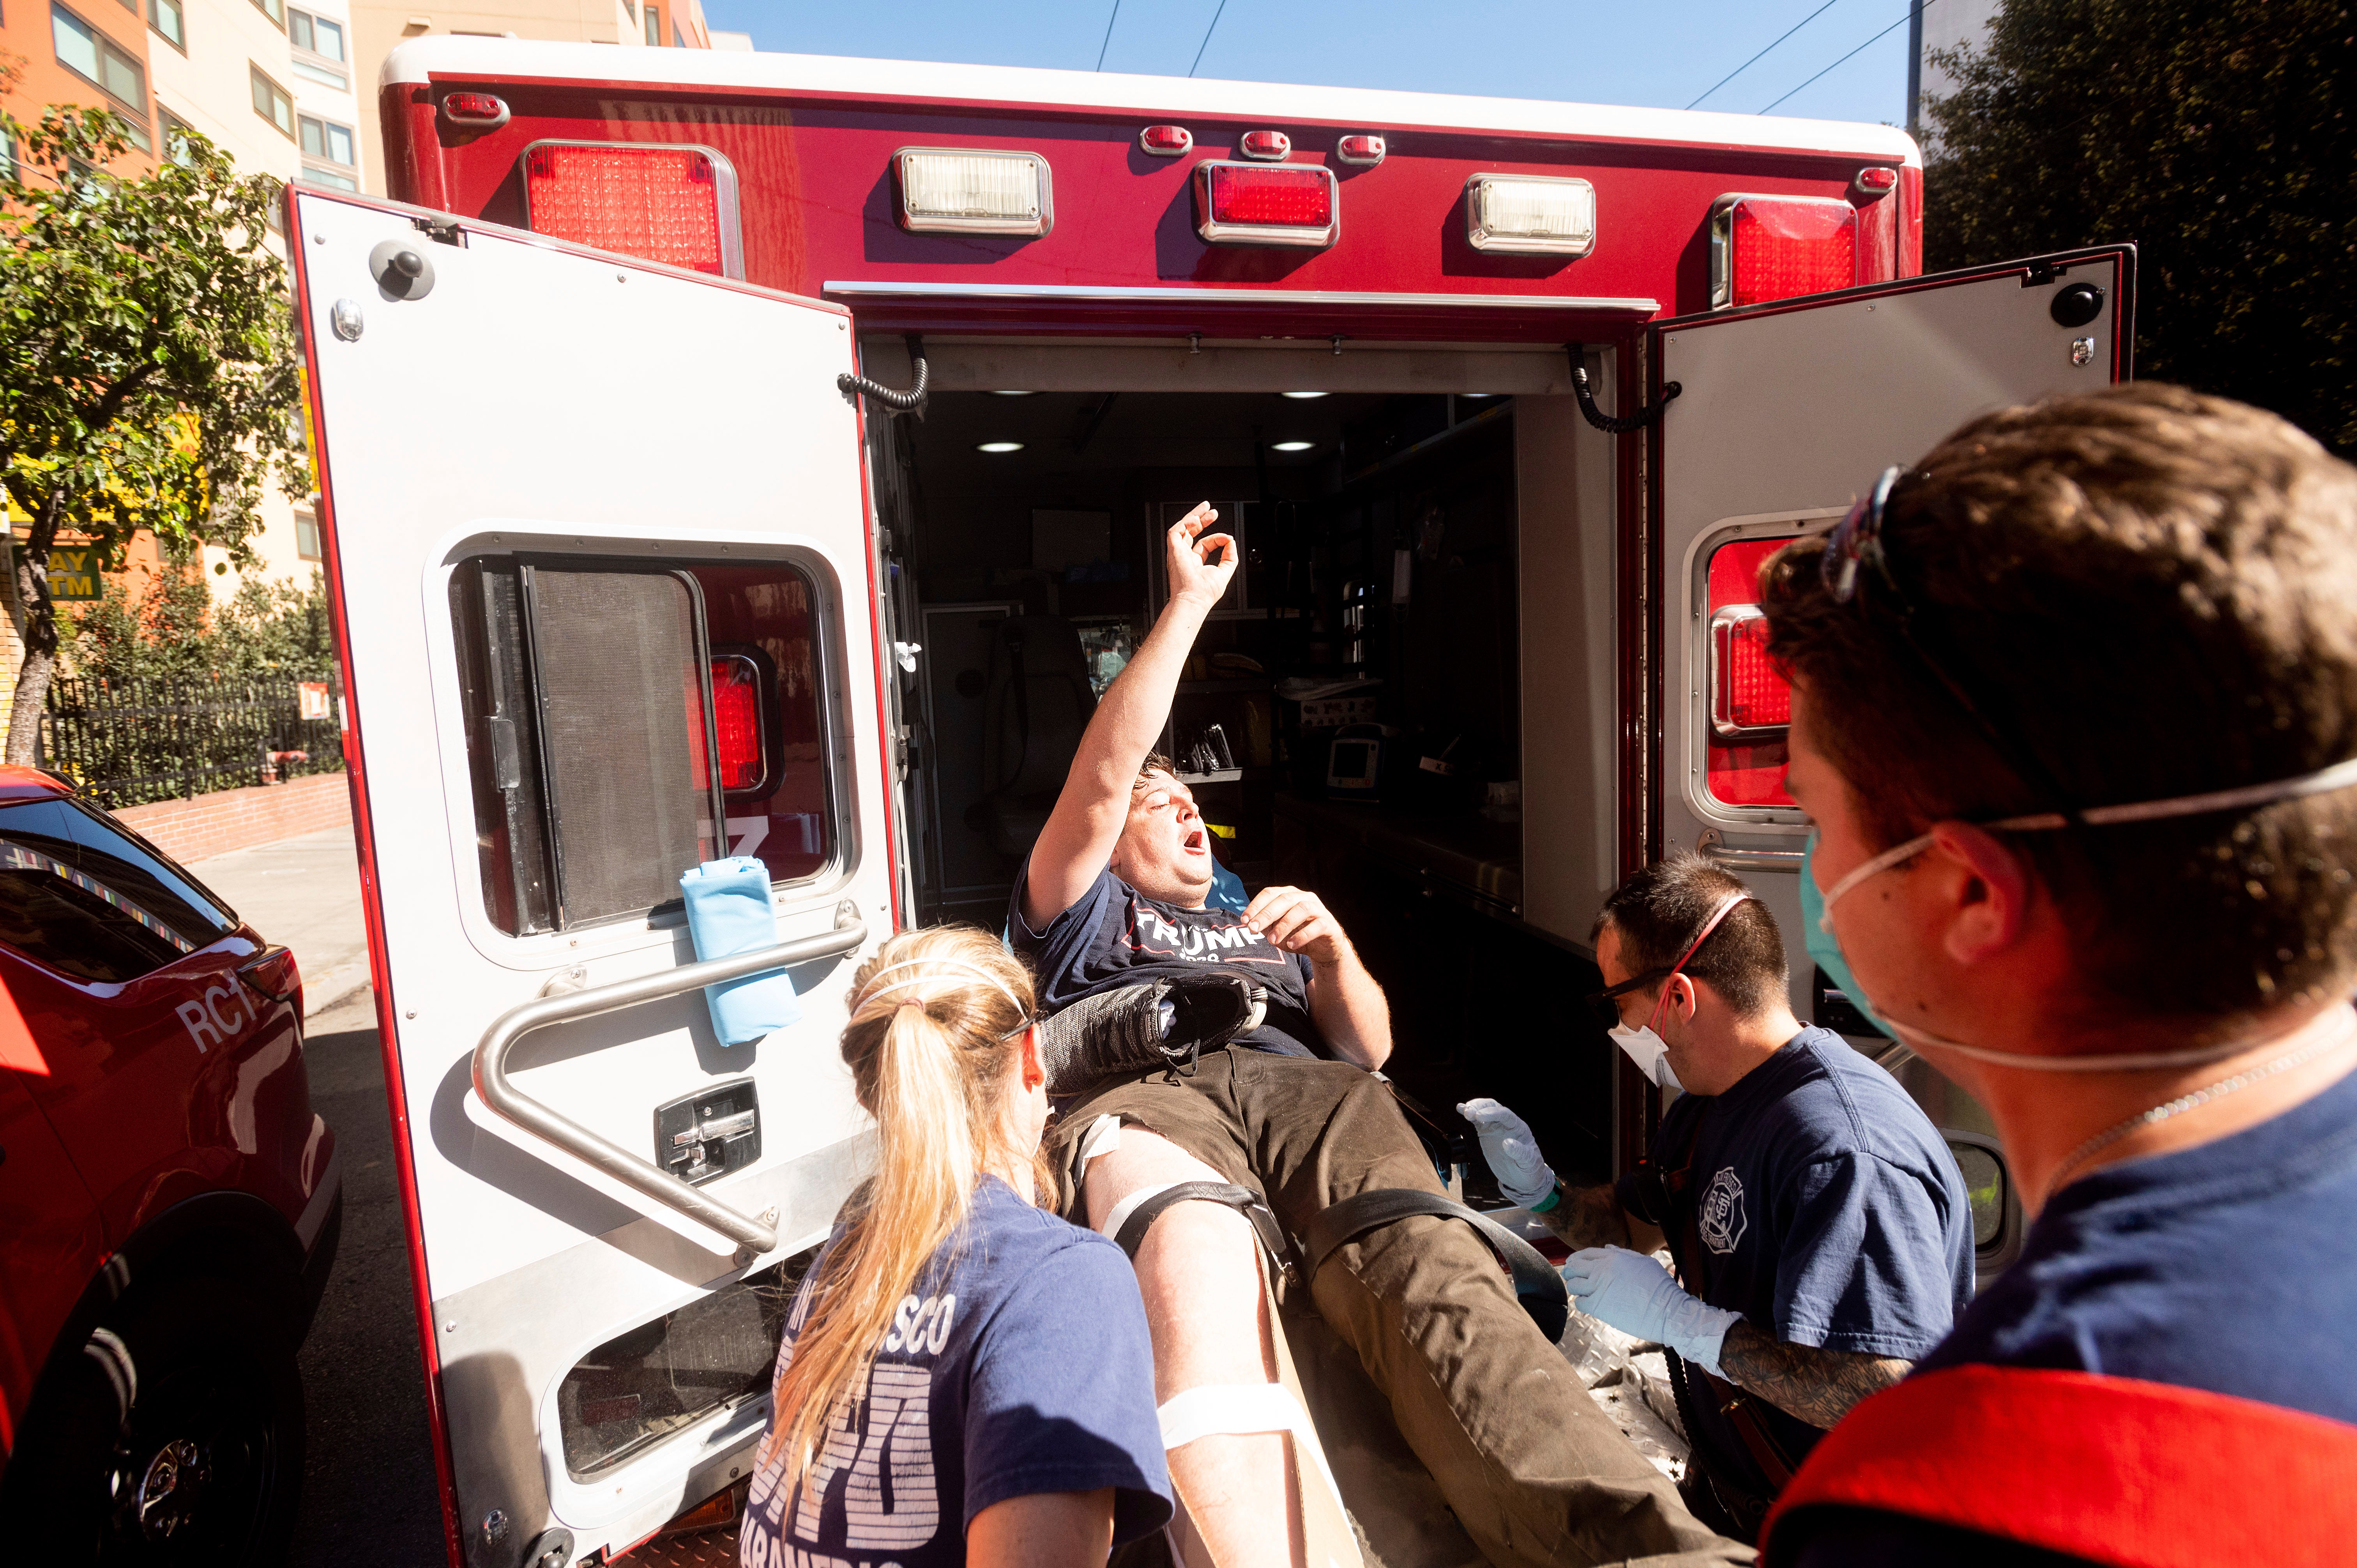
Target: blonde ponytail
930	1050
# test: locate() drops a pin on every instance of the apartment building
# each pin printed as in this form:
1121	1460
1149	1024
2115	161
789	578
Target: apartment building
381	25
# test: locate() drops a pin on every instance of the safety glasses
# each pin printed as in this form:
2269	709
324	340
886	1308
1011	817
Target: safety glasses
1857	544
1605	1004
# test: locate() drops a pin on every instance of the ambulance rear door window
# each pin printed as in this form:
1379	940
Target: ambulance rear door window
1751	709
598	697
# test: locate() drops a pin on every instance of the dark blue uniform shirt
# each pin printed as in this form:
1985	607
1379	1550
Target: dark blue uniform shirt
1827	1210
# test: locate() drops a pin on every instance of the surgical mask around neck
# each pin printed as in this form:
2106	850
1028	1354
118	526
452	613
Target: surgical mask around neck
2340	775
1650	1052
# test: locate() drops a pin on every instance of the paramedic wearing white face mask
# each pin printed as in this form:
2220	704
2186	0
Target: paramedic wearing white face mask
1822	1233
2075	710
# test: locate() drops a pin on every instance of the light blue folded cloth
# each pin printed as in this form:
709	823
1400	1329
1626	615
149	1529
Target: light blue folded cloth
729	912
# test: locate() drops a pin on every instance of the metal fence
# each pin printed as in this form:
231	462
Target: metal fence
124	742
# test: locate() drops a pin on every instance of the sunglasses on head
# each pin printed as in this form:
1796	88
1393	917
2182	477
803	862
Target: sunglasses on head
1858	544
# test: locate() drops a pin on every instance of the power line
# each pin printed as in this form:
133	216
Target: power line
1755	59
1207	36
1108	38
1861	48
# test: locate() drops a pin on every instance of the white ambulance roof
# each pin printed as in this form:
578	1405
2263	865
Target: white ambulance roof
608	66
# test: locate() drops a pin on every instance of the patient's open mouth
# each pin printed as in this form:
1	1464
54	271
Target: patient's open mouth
1195	842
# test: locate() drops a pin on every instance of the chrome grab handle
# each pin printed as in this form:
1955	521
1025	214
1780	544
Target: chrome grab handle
1718	852
494	1088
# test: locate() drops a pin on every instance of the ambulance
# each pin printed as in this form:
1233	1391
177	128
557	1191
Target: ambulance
763	455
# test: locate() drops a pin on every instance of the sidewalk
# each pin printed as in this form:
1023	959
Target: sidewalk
304	892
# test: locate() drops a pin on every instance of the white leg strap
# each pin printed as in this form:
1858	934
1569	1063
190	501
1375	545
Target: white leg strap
1102	1137
1120	1212
1236	1410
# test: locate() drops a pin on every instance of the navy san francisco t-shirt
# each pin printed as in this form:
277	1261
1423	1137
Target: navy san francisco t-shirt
1115	936
1018	1364
2225	1267
1830	1214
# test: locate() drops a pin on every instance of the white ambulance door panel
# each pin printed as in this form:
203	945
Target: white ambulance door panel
1787	413
601	563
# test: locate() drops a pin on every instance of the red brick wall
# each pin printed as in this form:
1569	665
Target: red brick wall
238	818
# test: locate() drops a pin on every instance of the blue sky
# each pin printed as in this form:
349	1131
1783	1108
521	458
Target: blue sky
1664	54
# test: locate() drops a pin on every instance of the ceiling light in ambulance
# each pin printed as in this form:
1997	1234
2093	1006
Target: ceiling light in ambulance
665	202
1364	151
948	191
1291	445
1527	213
1304	396
1257	204
1775	247
1165	141
474	111
998	448
1270	147
1878	181
1015	391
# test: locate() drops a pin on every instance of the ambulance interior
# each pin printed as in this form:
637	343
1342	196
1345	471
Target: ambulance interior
1378	621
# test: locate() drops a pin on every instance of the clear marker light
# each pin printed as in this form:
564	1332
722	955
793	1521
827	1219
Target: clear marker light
1303	396
1292	445
996	448
1011	391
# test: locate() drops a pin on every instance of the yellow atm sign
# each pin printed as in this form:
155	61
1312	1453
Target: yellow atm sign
73	575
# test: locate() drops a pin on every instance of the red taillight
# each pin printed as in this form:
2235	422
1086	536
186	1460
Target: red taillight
1878	181
1260	204
661	203
1165	141
273	975
737	720
1774	247
1361	150
477	111
1272	147
1750	701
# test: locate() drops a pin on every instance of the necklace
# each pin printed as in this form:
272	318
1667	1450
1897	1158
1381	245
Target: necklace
2199	1097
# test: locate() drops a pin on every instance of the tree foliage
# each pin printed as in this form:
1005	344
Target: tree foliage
2221	137
175	631
149	376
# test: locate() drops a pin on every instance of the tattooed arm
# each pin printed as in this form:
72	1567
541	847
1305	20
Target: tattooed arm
1816	1385
1592	1217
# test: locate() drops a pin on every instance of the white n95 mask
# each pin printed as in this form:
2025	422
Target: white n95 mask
1650	1052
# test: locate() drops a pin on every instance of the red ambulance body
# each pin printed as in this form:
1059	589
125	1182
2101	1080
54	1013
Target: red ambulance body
1507	398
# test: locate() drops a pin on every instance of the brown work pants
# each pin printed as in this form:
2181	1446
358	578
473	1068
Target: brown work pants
1533	1469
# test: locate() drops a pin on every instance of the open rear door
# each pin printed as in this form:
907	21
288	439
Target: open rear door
599	553
1786	414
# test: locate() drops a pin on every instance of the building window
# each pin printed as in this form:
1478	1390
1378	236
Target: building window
274	9
272	102
99	59
329	152
164	16
306	537
176	133
677	42
319	48
654	28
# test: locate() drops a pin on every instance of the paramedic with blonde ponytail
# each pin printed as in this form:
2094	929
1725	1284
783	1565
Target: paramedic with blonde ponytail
932	1405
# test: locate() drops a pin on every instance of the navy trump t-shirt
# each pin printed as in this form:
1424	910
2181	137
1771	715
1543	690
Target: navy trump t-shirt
1115	936
1829	1212
1018	1364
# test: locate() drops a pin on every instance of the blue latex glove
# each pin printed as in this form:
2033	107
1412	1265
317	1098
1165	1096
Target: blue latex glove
1637	1296
1512	1152
729	912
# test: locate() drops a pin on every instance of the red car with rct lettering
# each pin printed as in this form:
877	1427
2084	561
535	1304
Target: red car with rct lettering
169	1204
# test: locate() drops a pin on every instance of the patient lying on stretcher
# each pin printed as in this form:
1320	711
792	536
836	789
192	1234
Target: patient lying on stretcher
1285	1105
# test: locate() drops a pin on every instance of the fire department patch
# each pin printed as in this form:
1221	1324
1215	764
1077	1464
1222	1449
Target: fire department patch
1722	1212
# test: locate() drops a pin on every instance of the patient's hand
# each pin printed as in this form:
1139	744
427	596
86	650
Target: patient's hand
1299	921
1189	553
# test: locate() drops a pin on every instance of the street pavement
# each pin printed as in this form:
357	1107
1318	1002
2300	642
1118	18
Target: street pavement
306	892
369	1497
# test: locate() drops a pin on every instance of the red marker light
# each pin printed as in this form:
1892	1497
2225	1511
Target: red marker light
1878	181
737	719
478	111
667	203
1270	147
1361	150
1165	141
1774	247
1293	199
